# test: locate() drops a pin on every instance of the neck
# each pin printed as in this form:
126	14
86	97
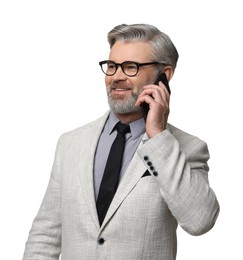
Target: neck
128	118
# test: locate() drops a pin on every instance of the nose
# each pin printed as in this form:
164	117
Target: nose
119	75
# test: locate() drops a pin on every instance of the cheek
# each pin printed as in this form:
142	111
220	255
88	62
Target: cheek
107	81
138	86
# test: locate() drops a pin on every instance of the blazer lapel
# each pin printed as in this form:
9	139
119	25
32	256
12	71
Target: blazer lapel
135	171
86	166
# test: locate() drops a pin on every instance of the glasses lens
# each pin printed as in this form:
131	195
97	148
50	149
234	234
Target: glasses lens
108	67
130	68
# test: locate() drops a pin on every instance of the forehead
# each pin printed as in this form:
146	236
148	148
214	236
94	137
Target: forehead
131	51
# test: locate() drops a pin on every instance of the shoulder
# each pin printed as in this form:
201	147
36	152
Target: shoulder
188	142
182	136
86	130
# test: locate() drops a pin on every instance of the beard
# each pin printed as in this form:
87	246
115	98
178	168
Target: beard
123	106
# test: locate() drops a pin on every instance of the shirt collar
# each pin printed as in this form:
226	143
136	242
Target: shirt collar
137	127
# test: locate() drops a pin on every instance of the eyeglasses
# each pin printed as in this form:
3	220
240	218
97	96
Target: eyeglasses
130	68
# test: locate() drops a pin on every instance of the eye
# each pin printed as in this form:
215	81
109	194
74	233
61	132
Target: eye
111	66
130	66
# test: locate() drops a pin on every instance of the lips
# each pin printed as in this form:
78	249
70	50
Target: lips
121	89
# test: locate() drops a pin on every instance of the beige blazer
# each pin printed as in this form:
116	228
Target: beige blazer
166	184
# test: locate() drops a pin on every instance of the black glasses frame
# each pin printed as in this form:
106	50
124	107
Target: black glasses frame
127	62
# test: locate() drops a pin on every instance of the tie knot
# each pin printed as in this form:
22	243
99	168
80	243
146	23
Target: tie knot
122	128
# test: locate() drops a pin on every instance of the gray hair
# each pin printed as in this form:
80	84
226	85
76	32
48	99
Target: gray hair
164	50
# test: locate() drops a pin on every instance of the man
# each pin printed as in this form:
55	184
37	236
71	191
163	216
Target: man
163	179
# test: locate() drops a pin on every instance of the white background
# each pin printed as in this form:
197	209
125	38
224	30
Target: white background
50	82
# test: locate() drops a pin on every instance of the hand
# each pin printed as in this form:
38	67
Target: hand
157	97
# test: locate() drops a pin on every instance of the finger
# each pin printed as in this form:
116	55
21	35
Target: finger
159	93
164	93
144	98
161	87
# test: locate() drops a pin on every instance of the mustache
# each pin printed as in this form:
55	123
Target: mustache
120	85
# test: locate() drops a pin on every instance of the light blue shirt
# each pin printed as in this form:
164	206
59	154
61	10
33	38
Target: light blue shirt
107	137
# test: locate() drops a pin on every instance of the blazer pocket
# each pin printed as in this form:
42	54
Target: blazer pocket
147	173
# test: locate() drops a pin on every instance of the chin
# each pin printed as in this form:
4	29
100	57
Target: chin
122	107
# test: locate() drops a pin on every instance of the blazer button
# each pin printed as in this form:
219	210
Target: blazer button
149	163
152	168
145	158
101	241
155	174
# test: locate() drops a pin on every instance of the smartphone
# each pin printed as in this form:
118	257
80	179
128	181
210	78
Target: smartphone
145	106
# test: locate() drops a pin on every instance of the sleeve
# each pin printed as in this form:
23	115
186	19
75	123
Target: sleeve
182	177
44	241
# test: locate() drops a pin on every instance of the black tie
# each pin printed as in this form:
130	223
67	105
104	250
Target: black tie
110	178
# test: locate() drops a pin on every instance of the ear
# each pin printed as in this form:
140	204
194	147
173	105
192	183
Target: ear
168	70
